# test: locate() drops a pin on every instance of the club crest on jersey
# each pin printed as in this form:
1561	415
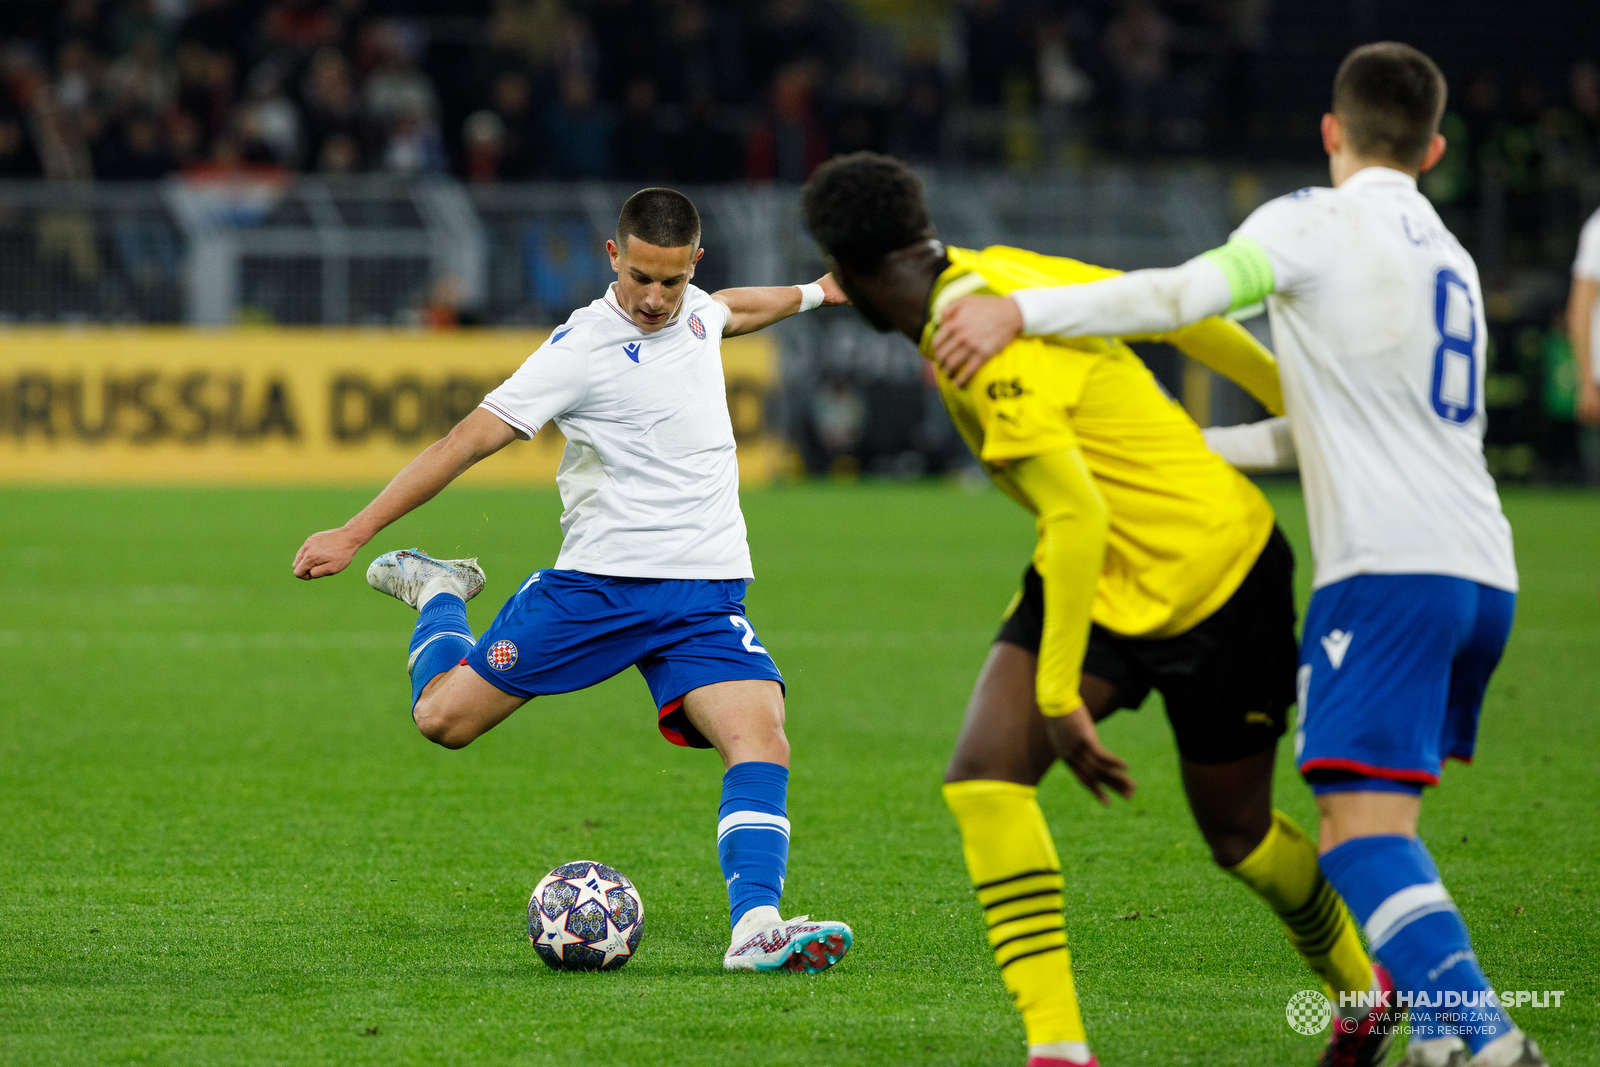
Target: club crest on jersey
502	655
632	350
697	327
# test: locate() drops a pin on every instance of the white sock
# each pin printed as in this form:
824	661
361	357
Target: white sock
1431	1052
1501	1052
754	919
445	583
1071	1051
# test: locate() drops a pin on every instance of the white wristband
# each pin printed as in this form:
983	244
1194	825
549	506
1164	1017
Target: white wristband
811	296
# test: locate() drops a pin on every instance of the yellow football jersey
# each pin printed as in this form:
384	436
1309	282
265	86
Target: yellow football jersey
1185	527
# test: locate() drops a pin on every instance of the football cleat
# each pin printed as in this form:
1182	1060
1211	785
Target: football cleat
1368	1043
801	944
1436	1052
1515	1049
403	575
1061	1054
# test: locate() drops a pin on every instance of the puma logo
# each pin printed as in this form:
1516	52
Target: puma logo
1336	644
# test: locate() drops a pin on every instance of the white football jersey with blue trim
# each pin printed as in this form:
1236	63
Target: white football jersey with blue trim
650	476
1377	320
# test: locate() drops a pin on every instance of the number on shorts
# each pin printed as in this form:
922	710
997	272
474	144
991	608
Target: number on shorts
742	623
1455	361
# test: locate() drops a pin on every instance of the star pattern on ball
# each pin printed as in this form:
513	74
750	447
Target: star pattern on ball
615	943
593	887
553	934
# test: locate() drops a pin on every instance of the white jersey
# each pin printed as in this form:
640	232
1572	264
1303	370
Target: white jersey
649	479
1587	266
1377	318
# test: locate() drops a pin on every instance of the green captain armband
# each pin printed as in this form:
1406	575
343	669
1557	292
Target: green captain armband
1244	263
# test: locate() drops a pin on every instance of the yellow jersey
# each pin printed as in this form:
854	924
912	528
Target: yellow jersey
1184	527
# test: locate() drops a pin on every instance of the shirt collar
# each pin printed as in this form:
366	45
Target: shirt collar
1379	176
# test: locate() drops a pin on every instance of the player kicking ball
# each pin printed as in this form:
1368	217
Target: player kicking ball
1158	567
653	561
1378	316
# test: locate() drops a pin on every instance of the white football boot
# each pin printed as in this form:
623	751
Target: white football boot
413	576
764	942
1514	1049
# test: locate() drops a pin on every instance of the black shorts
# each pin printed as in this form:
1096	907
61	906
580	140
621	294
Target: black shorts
1228	682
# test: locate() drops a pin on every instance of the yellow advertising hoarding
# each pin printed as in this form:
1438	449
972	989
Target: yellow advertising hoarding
286	406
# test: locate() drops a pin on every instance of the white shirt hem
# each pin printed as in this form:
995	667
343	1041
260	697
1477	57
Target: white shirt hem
1429	566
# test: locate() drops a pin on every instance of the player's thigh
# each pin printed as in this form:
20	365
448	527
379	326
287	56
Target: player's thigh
1003	736
743	719
459	706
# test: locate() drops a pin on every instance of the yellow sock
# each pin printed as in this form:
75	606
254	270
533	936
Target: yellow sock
1283	871
1013	864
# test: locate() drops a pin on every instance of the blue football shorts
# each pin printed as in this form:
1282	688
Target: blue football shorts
567	630
1392	673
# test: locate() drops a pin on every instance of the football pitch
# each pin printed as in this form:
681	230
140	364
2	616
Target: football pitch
222	840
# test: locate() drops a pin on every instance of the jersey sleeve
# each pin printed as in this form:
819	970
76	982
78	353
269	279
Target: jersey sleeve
549	383
1231	351
1073	525
1587	265
1278	249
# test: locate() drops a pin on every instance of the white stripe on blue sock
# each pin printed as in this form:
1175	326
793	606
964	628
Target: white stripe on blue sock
1405	907
411	661
751	820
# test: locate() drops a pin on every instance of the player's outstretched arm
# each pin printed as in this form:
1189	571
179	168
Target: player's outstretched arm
478	435
757	307
975	328
1255	447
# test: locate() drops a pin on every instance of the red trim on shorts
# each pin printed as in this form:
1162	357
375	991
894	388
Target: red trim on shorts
675	736
1368	770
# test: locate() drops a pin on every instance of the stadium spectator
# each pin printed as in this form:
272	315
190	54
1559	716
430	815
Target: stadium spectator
332	108
414	146
338	154
924	99
17	157
483	136
274	115
640	144
788	144
1138	41
512	103
995	51
860	115
578	131
705	149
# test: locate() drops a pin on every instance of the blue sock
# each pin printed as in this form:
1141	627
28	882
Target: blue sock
439	642
1392	886
753	835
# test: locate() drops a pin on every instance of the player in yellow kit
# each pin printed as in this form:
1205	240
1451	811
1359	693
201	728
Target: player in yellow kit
1157	566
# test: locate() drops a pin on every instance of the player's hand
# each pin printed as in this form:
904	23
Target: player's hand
973	331
1078	745
1589	403
328	552
832	292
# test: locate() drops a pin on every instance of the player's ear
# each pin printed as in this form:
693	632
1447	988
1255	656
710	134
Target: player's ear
1332	134
615	253
697	254
1435	153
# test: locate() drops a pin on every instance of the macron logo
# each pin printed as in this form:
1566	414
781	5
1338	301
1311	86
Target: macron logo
1336	644
632	350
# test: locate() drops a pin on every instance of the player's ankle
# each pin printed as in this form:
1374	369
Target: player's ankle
754	919
1060	1052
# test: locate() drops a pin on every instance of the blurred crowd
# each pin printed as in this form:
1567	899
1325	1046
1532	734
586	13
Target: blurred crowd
684	90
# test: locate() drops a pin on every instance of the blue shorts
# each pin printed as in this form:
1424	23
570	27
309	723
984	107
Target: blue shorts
1392	673
567	630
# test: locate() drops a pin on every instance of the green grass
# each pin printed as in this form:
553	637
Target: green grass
222	840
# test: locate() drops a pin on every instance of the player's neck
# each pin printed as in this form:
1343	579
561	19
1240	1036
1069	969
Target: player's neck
1344	166
899	288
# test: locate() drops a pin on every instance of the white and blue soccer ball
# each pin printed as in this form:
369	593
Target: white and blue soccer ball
585	916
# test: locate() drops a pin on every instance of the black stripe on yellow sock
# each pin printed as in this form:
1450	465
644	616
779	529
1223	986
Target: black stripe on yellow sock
1036	952
1311	925
1320	893
1016	878
1054	892
1062	929
1025	915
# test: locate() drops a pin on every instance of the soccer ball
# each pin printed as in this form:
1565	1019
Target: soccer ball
585	916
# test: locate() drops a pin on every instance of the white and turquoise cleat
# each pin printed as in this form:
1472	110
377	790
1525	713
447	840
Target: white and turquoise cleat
802	944
413	576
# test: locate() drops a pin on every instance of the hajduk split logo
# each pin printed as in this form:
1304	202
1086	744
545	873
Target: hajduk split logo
502	655
1308	1012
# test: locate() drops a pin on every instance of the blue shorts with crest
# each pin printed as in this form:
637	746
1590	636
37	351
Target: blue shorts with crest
568	630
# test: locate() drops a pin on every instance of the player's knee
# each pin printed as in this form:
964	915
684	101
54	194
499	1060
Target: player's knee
436	722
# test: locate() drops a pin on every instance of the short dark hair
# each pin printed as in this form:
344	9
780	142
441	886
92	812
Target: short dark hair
662	217
862	206
1390	97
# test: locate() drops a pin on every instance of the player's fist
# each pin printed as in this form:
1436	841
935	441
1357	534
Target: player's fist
328	552
832	292
972	332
